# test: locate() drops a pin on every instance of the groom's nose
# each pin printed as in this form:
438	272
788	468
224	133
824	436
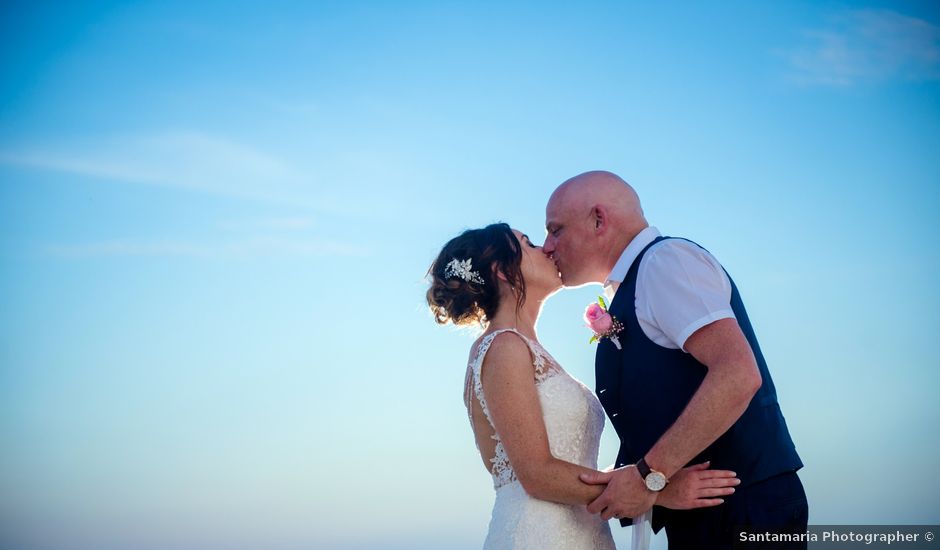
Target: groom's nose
549	245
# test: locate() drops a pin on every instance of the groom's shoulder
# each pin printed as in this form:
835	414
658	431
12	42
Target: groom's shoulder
673	240
674	244
672	252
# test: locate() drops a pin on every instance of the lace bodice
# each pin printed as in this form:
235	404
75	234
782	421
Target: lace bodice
574	419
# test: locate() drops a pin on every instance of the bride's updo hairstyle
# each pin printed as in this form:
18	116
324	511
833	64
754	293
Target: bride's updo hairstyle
492	249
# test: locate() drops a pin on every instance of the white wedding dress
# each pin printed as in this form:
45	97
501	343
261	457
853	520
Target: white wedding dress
574	420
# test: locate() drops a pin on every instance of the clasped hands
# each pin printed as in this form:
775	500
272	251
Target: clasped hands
627	496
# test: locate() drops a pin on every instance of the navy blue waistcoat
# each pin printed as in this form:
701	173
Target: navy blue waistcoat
645	387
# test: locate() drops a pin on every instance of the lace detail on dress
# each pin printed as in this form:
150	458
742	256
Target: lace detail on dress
502	470
574	420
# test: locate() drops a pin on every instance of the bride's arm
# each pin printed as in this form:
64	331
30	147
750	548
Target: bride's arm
513	402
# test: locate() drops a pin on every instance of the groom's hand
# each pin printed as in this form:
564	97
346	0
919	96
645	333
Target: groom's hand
626	495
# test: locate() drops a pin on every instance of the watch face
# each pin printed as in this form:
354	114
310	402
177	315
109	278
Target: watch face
655	481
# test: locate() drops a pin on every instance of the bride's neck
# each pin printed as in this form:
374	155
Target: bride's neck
523	319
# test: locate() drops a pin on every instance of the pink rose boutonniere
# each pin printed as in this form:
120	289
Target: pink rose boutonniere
602	323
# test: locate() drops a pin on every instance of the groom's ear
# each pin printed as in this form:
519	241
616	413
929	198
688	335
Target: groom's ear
599	215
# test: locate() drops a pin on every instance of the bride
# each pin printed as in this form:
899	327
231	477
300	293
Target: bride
536	427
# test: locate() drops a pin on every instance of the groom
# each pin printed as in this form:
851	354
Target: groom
690	383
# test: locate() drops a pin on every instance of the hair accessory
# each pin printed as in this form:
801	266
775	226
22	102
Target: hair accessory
462	269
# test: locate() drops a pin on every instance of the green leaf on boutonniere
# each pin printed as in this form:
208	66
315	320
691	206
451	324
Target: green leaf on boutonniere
593	339
602	302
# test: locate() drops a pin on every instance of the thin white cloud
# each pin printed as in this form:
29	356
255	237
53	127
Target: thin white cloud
260	247
193	161
860	46
95	167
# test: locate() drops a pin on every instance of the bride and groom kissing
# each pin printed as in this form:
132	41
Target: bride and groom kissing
704	448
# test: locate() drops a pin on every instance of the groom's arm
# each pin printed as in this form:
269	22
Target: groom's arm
683	301
688	304
732	380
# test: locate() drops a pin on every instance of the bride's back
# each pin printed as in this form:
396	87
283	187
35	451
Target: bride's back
573	418
483	432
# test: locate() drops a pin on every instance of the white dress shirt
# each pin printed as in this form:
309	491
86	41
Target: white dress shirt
680	288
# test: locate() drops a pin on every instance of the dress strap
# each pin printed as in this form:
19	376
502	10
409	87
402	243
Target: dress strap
476	366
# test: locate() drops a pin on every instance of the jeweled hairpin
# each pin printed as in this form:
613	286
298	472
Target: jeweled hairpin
463	270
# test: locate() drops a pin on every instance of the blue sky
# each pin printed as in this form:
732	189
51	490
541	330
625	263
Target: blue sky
215	221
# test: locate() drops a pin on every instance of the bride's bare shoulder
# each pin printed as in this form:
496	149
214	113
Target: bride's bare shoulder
507	348
501	344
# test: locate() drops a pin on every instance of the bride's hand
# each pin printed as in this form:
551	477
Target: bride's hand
697	487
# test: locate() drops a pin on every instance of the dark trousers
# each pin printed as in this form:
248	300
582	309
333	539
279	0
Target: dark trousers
777	504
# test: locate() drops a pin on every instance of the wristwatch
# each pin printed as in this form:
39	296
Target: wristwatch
655	481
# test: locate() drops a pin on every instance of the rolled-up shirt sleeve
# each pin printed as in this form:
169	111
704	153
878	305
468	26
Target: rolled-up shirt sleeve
680	289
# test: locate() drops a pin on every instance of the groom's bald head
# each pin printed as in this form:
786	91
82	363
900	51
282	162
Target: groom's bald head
599	186
590	219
